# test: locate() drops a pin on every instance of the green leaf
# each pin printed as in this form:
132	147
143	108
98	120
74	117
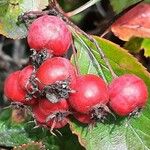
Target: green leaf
120	5
14	135
146	46
11	135
9	12
65	141
119	134
134	44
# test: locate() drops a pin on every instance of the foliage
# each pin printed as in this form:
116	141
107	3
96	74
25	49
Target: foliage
14	135
136	44
10	10
116	133
122	133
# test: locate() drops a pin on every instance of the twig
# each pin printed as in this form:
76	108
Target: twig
75	57
100	51
16	50
56	10
97	65
7	58
105	32
100	9
82	8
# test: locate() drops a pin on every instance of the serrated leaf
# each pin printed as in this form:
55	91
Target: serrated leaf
9	12
119	134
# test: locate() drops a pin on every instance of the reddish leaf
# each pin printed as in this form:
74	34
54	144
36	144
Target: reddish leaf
135	22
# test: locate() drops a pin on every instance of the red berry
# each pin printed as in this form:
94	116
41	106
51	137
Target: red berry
90	91
12	89
127	93
40	117
14	92
24	76
48	107
56	69
83	118
52	115
51	33
58	124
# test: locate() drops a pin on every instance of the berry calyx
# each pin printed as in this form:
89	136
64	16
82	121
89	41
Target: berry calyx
57	77
127	93
37	58
51	115
28	81
91	91
51	33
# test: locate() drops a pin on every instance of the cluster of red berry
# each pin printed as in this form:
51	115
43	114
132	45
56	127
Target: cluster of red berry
54	90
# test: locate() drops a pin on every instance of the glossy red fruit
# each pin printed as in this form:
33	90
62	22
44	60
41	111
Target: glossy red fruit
58	124
13	91
48	107
40	117
56	69
24	76
91	90
127	93
83	118
49	32
51	114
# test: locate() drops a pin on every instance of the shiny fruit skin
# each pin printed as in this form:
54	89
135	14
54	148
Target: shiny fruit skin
48	107
56	69
91	90
59	124
14	92
127	93
24	76
12	89
45	108
83	118
51	33
40	117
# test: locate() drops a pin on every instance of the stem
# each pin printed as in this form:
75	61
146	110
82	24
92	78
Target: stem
75	58
97	65
56	10
101	10
100	51
82	8
105	32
